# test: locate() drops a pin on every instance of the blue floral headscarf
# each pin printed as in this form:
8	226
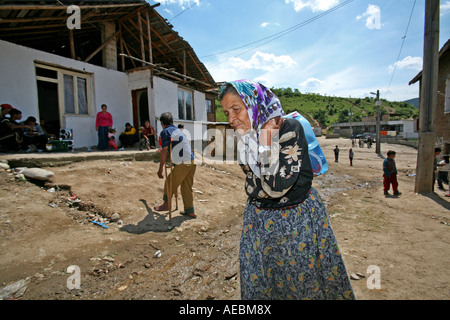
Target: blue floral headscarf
262	105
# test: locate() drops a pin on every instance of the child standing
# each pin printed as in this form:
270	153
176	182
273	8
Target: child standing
390	174
350	156
444	167
336	154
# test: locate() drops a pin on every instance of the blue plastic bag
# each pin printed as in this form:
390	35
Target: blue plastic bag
319	163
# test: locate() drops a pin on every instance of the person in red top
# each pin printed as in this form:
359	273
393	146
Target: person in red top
103	122
150	133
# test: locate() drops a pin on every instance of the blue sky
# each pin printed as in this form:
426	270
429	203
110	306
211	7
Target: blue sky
335	47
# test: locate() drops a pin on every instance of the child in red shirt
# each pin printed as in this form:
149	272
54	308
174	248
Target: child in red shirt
390	174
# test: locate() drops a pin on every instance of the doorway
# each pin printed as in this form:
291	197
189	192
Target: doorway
48	105
140	107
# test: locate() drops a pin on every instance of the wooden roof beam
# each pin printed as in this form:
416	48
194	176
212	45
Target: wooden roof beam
101	46
61	7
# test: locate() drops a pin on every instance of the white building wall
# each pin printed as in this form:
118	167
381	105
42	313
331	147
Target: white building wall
200	106
165	95
18	87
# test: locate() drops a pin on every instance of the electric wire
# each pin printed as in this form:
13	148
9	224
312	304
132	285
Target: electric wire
401	48
182	12
278	35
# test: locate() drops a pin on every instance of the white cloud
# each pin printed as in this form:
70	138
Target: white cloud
414	63
373	17
445	8
310	83
263	61
182	3
266	24
315	5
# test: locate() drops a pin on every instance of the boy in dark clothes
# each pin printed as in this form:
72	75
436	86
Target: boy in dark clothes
390	174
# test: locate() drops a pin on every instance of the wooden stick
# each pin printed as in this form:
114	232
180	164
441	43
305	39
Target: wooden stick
141	37
72	44
170	183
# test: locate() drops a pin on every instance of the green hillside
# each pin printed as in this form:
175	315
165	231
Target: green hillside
325	110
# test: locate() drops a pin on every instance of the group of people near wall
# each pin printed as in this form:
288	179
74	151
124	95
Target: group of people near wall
146	136
31	136
21	136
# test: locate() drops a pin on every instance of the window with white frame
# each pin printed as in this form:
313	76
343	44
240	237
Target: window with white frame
73	88
209	106
185	105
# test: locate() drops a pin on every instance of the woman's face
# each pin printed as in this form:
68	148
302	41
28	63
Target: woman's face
234	108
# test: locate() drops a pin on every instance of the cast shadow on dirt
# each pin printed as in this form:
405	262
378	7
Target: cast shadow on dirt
154	222
433	196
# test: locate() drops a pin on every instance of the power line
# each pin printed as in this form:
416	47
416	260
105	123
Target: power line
182	12
401	48
280	34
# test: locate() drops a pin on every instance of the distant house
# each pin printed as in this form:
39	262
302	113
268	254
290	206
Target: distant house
123	54
402	129
443	102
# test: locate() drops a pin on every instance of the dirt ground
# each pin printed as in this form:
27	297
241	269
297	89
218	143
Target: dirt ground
42	233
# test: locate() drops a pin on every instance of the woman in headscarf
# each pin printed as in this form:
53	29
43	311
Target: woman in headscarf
288	249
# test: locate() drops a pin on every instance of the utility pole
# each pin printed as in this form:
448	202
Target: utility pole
428	99
378	103
350	119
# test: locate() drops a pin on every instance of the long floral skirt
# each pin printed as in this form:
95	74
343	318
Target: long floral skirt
291	253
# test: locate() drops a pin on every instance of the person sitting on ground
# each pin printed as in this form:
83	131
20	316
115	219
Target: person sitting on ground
6	108
32	137
11	135
42	128
150	133
129	136
144	142
112	138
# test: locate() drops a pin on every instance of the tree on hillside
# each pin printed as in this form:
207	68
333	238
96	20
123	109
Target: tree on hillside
321	117
343	116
